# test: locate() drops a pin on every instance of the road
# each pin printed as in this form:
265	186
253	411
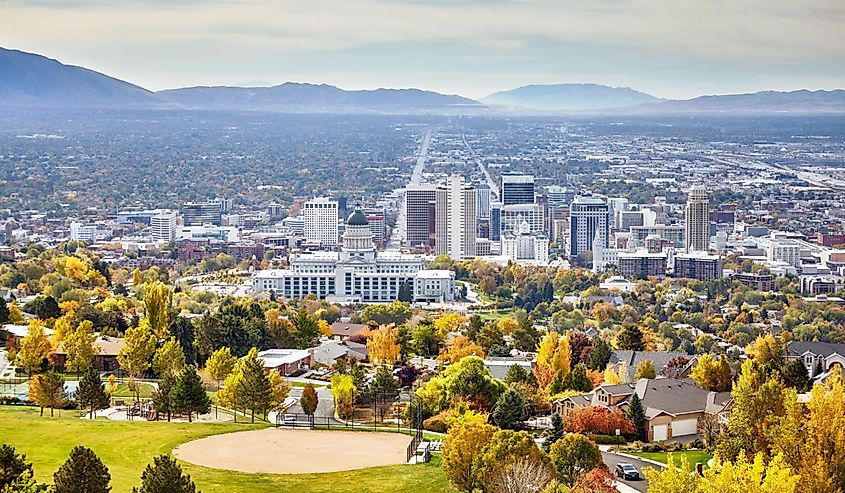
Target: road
325	404
494	189
397	234
612	460
422	156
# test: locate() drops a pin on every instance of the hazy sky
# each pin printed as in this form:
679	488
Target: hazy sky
670	48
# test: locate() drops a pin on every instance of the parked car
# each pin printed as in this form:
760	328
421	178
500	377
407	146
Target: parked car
625	470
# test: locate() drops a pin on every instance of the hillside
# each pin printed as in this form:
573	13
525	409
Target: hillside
569	97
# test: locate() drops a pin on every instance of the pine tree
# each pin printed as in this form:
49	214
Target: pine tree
91	394
630	338
636	414
556	433
83	472
307	329
795	375
188	395
162	396
309	400
165	476
600	357
254	388
4	311
578	380
509	410
12	466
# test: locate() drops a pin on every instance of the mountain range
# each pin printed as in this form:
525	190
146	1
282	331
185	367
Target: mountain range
28	80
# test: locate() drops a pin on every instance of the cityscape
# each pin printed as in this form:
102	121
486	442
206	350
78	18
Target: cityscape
553	287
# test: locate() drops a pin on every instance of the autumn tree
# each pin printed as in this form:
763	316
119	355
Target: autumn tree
91	394
169	358
711	374
280	330
50	391
382	346
134	356
449	322
505	447
309	400
34	347
80	346
461	445
645	370
219	366
158	298
83	472
596	419
573	456
822	465
253	391
554	356
165	475
344	392
279	390
521	476
460	347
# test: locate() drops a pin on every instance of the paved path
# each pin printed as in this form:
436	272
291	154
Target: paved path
612	460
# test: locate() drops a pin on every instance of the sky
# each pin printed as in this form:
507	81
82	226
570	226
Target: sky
668	48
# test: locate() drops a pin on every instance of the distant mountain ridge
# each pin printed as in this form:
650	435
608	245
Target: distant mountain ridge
575	97
800	101
27	79
294	95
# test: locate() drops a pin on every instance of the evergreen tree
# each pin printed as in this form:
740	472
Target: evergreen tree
384	384
83	472
509	410
600	357
163	395
556	433
183	330
254	387
636	414
795	375
12	466
307	329
91	394
405	294
578	380
188	395
474	327
309	400
518	374
630	338
4	311
164	475
525	336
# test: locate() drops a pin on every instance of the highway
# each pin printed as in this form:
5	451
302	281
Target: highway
422	155
494	189
397	234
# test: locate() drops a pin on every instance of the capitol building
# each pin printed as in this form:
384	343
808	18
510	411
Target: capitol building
357	273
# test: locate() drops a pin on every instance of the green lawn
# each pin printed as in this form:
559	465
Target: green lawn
126	448
303	384
693	456
493	314
146	390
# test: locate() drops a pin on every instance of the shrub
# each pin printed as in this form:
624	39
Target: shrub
436	423
607	439
654	447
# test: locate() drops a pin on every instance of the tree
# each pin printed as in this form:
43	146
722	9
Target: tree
518	374
220	365
12	466
169	358
343	392
184	331
795	375
423	340
578	380
645	370
325	328
554	356
188	395
630	338
397	312
307	329
34	347
573	456
158	298
823	456
309	400
460	347
382	346
449	322
505	447
162	395
600	356
80	346
134	356
279	389
4	311
461	445
509	410
522	476
636	415
712	375
91	394
83	472
467	379
674	478
254	390
165	475
49	390
597	419
556	433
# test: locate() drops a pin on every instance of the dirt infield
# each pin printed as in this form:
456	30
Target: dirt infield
279	451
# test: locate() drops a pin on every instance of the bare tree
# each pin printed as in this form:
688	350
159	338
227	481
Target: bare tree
522	476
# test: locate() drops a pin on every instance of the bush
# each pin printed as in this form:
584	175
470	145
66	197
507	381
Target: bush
607	439
436	423
654	447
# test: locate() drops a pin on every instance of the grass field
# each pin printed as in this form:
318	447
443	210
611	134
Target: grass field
145	390
693	456
126	448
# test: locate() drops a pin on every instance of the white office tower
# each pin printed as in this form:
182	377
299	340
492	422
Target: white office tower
83	232
455	219
163	226
320	221
589	217
556	197
617	205
482	201
697	220
523	246
517	189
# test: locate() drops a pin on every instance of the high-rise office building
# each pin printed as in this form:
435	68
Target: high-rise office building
417	199
200	213
495	221
378	225
517	189
275	210
455	223
482	202
163	226
557	197
320	217
512	217
589	218
697	217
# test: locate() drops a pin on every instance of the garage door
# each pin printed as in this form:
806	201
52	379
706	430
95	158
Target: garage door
660	432
684	427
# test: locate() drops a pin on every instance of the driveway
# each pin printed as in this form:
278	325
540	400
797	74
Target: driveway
612	460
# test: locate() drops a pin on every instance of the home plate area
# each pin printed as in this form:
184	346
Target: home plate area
281	451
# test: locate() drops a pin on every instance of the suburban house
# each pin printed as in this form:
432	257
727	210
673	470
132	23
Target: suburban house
660	360
329	352
18	332
673	407
106	358
499	366
286	361
818	357
344	330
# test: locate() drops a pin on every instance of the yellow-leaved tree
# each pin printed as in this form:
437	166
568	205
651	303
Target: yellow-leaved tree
35	347
554	356
158	298
739	476
460	347
382	346
449	322
80	347
134	357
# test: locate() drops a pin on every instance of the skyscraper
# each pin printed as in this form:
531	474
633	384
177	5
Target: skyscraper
163	226
417	199
200	213
696	216
320	216
482	202
517	189
455	223
589	219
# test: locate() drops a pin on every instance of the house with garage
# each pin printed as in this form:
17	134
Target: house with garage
818	357
286	361
673	407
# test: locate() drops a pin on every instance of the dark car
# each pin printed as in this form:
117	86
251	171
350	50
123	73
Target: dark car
625	470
